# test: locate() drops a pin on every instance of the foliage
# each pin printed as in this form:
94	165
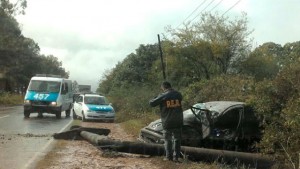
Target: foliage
212	46
8	99
19	56
134	70
133	102
279	101
224	87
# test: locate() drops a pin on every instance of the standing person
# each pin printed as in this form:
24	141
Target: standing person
172	119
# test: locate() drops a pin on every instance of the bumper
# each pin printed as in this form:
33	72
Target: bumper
42	108
99	116
150	136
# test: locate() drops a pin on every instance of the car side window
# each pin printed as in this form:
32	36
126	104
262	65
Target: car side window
229	120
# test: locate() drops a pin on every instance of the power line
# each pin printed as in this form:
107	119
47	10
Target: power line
192	13
216	5
231	7
202	10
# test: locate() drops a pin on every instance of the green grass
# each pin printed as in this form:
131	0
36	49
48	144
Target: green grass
8	99
134	126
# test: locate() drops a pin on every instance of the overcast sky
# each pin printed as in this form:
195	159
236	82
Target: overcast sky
92	36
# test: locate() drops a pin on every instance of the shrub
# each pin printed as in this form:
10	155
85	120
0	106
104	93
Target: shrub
8	99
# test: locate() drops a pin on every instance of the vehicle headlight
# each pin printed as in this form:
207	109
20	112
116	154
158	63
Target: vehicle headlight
155	125
27	101
53	103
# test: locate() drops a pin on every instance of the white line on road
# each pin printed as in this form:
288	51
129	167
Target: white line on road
34	158
4	116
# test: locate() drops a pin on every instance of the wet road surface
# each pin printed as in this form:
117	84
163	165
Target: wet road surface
22	140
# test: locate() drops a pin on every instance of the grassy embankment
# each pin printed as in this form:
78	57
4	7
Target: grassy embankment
8	99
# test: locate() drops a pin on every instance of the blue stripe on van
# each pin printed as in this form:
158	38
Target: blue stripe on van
32	95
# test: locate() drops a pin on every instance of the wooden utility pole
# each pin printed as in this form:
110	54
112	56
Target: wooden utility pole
161	58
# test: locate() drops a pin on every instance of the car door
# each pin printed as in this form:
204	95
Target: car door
226	126
78	105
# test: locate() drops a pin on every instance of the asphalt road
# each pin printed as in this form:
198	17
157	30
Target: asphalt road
23	141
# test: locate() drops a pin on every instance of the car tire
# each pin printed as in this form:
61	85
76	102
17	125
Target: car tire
26	114
74	115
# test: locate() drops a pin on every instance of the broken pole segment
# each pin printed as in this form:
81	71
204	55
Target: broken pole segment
230	157
133	147
193	153
74	133
91	137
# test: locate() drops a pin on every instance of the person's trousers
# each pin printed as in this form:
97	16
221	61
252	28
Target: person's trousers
172	142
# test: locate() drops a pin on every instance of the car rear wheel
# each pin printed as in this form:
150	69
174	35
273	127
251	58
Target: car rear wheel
26	114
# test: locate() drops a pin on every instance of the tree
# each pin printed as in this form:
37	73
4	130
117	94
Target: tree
278	102
263	62
215	43
134	69
19	56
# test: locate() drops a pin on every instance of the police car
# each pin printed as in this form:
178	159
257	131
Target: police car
93	107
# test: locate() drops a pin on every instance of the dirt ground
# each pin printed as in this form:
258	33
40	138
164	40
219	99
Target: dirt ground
70	154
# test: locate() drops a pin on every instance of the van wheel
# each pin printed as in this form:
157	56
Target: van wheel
68	112
26	114
58	115
74	115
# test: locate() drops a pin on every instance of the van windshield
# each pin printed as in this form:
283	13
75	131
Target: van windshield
44	86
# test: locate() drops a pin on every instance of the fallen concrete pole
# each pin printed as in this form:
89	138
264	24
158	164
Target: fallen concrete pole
193	153
74	133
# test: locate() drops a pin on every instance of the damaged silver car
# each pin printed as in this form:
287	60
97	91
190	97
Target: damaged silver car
226	125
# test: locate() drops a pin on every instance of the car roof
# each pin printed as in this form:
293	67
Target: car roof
92	95
219	106
222	106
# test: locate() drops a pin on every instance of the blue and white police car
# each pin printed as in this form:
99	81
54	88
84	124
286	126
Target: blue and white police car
93	107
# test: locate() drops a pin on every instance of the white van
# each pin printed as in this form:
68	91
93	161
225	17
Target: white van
48	94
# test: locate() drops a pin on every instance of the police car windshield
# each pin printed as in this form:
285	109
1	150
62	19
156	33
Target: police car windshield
44	86
95	100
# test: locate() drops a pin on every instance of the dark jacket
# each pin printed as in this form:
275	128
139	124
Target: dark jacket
170	108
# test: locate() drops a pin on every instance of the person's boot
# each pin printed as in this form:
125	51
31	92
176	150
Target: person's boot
167	159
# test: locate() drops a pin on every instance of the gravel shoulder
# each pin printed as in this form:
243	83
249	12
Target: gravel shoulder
81	154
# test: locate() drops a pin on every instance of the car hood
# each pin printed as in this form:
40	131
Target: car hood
103	108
